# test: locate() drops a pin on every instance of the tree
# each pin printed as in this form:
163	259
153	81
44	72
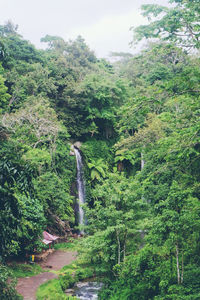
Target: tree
4	96
96	99
15	178
179	23
113	224
7	289
8	29
54	196
36	118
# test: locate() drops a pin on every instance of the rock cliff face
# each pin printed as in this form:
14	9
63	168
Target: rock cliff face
76	145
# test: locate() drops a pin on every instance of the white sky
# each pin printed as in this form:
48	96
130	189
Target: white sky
104	24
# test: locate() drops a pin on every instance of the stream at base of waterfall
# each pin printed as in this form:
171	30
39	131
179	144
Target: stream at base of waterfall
86	290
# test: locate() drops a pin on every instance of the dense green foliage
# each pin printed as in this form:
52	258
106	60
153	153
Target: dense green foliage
178	23
7	289
138	121
67	277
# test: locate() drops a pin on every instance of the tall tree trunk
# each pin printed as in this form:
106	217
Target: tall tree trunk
124	250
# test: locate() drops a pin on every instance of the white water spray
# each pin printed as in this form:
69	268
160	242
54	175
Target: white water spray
80	187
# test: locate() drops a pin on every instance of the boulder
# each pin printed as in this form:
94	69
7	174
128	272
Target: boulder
69	292
77	144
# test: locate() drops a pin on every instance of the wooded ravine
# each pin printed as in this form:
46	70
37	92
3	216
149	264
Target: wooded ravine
137	122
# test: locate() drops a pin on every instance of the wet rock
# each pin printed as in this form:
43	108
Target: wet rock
78	145
72	150
69	292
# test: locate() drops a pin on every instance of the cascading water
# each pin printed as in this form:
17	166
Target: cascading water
80	186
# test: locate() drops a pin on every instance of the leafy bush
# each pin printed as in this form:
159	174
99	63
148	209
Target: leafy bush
97	149
66	281
32	223
7	285
51	290
54	290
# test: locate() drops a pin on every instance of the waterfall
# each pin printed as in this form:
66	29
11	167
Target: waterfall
80	186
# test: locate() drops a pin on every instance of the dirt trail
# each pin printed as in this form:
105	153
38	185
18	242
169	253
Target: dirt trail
28	286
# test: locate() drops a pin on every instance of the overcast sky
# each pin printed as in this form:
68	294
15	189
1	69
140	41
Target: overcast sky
104	24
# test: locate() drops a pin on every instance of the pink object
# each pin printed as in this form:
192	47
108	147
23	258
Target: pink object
46	241
48	238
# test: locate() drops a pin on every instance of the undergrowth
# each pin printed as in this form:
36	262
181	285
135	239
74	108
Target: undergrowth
25	270
71	245
67	277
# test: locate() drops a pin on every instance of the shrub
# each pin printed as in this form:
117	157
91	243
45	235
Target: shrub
7	285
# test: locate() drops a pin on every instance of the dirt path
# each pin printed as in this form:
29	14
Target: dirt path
28	286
